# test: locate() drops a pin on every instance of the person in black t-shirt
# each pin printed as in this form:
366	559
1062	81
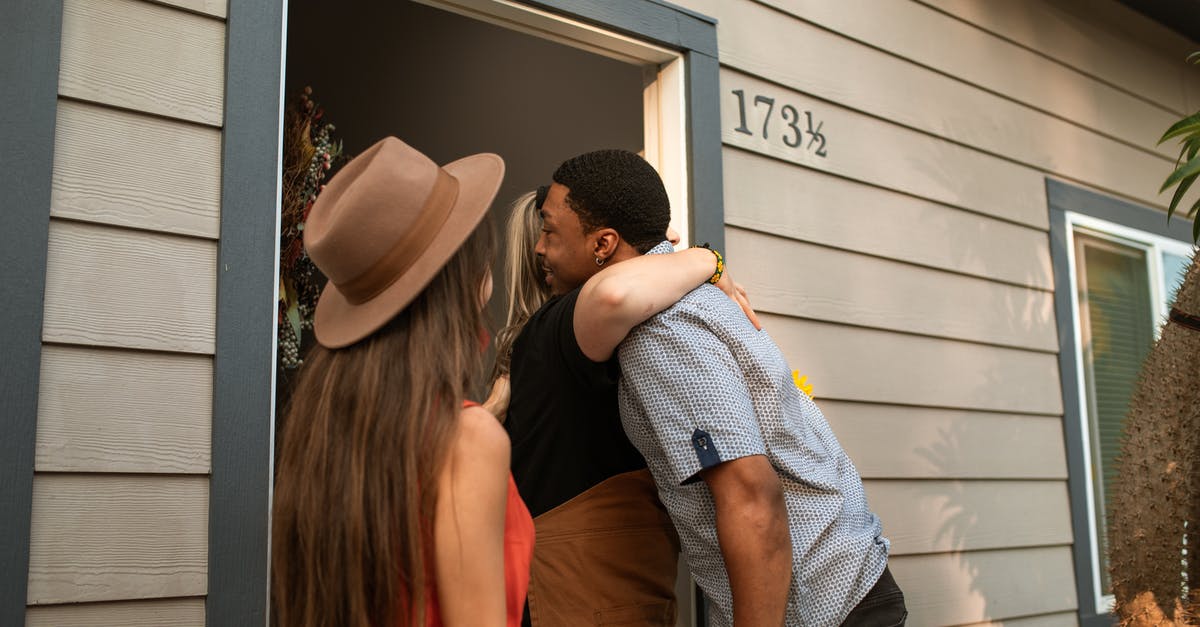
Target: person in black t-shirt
605	549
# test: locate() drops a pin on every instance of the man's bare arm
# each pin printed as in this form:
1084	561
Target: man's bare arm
752	528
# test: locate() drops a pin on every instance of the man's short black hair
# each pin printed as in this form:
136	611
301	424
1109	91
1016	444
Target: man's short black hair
619	190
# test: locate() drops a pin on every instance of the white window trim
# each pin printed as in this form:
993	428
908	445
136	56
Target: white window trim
663	98
1155	245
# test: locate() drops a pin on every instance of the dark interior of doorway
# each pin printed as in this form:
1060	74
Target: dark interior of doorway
452	86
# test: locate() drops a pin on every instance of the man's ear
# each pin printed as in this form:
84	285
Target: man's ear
607	240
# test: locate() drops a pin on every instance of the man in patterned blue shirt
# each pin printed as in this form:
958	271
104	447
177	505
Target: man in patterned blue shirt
770	511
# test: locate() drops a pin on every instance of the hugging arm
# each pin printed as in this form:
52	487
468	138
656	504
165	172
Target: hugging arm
626	294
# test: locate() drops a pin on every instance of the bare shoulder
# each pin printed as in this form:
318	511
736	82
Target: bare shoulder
481	440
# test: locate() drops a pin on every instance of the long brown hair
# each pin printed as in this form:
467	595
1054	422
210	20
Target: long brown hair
524	279
364	440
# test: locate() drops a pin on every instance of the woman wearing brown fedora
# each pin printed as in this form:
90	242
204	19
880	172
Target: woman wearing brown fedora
394	504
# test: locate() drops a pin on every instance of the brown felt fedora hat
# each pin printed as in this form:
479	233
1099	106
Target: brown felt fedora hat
383	228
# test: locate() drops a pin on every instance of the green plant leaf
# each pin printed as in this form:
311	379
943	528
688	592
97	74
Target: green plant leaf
1191	168
1190	124
1179	192
293	316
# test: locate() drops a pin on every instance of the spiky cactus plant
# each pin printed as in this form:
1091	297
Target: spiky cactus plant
1154	512
1155	505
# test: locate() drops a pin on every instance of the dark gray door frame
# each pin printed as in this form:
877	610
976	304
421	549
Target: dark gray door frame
244	363
239	534
30	43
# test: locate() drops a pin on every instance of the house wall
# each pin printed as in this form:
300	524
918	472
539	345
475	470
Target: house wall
119	531
907	272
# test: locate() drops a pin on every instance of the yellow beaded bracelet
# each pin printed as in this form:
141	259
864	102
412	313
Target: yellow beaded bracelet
716	277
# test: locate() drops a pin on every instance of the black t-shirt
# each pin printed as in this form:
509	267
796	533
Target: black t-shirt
562	417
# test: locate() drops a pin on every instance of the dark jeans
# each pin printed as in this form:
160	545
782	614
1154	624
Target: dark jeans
882	607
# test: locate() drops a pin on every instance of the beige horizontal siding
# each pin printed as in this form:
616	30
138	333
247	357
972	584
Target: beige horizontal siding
1057	619
980	58
765	194
143	56
875	151
940	516
215	8
106	537
975	586
892	442
856	364
154	613
102	410
765	43
1103	39
121	168
132	289
804	280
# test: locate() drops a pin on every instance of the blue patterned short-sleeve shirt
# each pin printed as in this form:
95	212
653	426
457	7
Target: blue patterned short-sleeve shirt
699	387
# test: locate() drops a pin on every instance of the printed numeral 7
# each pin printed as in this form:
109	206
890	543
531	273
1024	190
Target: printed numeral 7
770	102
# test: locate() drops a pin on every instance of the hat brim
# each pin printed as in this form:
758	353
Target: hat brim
337	322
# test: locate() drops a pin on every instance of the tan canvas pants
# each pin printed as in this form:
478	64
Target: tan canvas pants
606	557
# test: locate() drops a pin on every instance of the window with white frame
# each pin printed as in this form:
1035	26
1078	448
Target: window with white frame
1122	283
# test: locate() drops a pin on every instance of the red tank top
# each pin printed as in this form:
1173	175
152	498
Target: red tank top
518	553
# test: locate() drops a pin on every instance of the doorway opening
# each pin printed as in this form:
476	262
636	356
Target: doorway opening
458	77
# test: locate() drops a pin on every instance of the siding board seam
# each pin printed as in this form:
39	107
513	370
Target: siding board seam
960	79
876	185
183	9
781	314
1014	412
140	112
906	262
974	410
1050	58
1049	545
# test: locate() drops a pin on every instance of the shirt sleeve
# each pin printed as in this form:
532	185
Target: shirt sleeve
558	324
691	392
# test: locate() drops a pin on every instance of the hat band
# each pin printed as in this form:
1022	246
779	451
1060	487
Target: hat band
408	249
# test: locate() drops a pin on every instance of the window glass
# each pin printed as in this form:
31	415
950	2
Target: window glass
1116	333
1173	268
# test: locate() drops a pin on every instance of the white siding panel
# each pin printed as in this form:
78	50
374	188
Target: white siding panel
102	410
855	364
1102	39
944	516
146	57
892	442
980	58
115	287
798	55
126	169
798	279
958	588
156	613
772	196
109	537
874	151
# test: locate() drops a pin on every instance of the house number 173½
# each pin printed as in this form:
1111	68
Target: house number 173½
793	135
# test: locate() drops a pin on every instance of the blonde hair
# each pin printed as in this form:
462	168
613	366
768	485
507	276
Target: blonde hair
524	279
